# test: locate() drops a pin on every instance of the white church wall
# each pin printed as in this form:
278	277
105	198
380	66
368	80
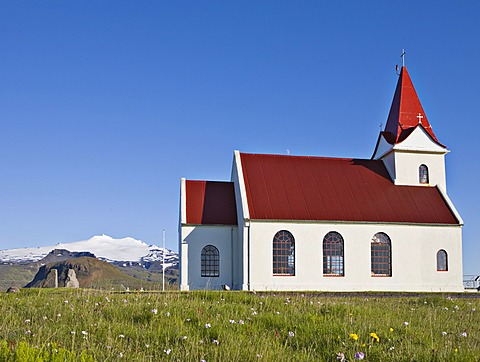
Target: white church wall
414	250
407	164
193	240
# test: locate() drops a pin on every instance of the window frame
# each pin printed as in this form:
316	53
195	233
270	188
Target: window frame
283	254
423	174
333	246
442	253
383	256
210	262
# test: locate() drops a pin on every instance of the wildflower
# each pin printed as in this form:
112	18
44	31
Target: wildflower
456	307
184	338
27	320
28	331
341	356
406	324
121	336
147	346
354	336
44	317
125	301
73	332
241	321
121	354
391	348
167	351
463	334
473	309
359	356
259	355
202	360
187	320
291	334
391	329
444	333
154	311
84	333
455	350
167	314
254	313
208	325
65	301
215	341
374	336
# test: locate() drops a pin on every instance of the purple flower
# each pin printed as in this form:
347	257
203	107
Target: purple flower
291	334
359	356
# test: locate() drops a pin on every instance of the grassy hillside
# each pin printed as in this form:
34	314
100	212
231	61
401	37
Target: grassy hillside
16	275
236	326
92	273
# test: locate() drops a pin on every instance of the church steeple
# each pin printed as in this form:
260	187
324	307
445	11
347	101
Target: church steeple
407	146
406	112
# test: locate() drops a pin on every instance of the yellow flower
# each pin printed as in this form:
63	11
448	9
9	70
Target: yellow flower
374	336
455	350
354	336
391	329
364	345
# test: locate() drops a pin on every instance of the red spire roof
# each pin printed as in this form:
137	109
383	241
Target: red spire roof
406	112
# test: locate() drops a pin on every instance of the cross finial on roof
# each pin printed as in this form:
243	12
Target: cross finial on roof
420	118
403	57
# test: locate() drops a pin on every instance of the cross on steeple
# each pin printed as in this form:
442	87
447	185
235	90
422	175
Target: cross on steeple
420	118
403	57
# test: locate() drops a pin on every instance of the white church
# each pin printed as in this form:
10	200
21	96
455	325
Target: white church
312	223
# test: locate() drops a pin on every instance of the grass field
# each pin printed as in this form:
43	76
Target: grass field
89	325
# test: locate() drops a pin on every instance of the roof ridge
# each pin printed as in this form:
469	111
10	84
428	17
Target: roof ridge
306	156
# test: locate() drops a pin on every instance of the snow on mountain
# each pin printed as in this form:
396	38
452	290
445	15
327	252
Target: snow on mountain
103	246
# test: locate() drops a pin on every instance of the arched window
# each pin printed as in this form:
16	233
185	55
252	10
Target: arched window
333	254
381	255
442	260
210	262
283	253
423	174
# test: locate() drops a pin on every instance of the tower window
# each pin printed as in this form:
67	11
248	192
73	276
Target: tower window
423	174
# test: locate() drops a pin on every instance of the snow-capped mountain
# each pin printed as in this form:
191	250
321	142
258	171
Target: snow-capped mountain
103	246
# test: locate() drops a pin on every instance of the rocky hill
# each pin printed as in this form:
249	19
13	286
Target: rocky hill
132	257
90	273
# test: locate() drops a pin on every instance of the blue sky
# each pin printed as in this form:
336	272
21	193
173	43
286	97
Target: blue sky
105	105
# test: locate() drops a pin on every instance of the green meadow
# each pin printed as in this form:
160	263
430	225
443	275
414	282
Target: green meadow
90	325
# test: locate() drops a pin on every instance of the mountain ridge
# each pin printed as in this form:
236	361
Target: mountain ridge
104	247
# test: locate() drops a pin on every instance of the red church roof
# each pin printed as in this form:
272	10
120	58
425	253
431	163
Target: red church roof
334	189
406	112
210	203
